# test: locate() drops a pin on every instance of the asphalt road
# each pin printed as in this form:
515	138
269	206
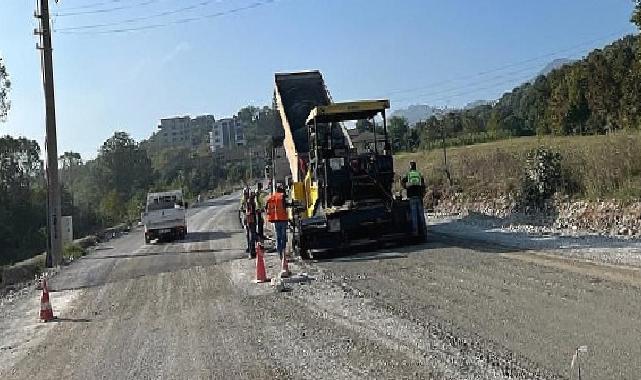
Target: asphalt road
449	309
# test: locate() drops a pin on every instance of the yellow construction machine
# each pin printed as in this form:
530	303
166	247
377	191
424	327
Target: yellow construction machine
342	192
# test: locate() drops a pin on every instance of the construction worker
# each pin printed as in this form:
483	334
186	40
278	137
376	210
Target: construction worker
250	224
241	208
260	207
414	185
277	213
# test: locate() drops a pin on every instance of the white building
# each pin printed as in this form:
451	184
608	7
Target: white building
183	131
226	133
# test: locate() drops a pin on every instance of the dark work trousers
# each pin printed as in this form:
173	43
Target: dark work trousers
260	225
250	229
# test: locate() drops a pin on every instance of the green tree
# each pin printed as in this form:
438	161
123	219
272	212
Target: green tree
5	86
112	208
398	129
123	166
70	161
22	199
494	123
636	15
636	19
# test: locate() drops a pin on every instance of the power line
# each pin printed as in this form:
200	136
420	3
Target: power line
500	68
254	5
96	4
477	89
502	77
455	92
107	10
142	18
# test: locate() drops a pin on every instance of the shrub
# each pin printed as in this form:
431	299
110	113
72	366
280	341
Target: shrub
541	179
73	251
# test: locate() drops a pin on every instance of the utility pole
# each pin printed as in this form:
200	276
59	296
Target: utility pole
54	241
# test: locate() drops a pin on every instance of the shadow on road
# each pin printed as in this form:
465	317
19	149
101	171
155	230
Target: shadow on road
435	241
75	320
194	237
145	254
91	271
351	257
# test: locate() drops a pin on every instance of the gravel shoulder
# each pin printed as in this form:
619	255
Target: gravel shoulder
616	250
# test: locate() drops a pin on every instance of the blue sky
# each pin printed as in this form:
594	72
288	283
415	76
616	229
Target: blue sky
412	51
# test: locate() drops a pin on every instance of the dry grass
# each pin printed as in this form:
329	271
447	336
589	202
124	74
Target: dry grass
593	166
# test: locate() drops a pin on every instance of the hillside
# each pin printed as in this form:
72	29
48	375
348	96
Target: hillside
592	167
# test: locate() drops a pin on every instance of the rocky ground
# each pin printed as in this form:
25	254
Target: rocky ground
563	216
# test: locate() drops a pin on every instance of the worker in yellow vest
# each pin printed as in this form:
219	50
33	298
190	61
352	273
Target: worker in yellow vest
276	207
414	185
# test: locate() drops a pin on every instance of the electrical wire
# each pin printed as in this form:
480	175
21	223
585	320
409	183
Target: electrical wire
501	77
477	89
455	92
142	18
93	5
107	10
500	68
186	20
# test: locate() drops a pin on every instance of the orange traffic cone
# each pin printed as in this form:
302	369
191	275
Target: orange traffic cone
261	275
46	313
284	271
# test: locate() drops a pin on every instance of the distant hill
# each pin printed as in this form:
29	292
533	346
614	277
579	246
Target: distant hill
415	113
556	64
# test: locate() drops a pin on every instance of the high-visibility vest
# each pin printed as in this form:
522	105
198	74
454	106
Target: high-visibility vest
260	201
414	178
276	211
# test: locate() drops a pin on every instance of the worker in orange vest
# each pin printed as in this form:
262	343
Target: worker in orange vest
276	207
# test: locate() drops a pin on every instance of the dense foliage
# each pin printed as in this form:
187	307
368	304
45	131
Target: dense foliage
22	199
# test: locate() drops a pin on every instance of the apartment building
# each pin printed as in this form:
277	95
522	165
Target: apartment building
227	133
183	131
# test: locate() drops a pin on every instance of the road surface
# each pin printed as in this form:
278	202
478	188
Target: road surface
449	309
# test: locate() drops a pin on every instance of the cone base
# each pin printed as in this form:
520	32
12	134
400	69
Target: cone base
45	320
261	281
